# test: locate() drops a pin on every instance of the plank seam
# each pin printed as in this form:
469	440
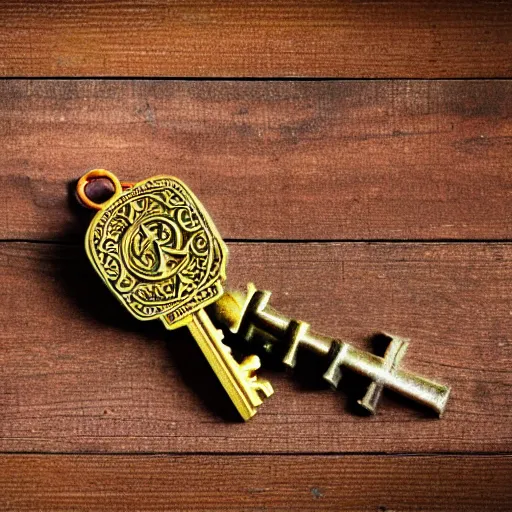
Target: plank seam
418	241
228	78
265	454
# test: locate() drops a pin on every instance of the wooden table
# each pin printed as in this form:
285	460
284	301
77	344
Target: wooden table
363	205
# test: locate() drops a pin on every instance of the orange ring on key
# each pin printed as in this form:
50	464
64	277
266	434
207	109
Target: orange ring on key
94	174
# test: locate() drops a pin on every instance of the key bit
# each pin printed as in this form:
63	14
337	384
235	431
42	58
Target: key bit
156	248
250	316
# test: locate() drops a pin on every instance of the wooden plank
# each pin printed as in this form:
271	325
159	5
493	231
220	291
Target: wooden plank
256	38
270	160
78	374
254	483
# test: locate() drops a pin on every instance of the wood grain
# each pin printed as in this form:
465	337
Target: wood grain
78	374
256	38
270	160
255	483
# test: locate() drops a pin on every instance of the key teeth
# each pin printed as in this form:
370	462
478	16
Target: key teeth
294	335
395	351
333	373
264	387
371	398
249	366
367	407
333	376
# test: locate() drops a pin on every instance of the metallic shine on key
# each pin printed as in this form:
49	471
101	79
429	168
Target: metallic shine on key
250	316
159	253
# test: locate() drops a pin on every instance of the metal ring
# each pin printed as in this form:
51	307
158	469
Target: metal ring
94	174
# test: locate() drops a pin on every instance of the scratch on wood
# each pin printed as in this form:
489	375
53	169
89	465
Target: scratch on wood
317	492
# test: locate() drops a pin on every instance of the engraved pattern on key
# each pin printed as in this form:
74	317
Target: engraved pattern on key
158	251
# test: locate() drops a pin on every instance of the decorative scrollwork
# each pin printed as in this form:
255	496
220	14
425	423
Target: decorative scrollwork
158	250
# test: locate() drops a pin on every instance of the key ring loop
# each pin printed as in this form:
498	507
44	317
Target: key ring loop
94	174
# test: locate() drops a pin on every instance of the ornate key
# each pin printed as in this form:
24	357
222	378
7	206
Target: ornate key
159	253
257	323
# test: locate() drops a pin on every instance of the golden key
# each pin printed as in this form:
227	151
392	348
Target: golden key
159	253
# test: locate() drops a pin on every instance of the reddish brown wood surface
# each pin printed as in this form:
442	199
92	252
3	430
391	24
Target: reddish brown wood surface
78	374
255	483
256	38
293	161
270	160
